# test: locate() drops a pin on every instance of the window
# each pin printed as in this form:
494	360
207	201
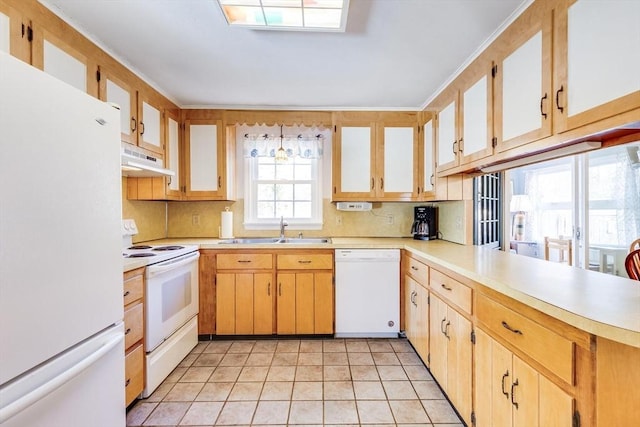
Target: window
488	221
592	199
288	188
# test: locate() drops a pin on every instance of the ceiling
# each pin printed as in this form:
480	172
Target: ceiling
394	54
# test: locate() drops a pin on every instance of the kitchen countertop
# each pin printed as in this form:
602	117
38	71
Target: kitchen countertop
601	304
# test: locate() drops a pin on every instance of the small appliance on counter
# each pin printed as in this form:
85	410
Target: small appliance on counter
425	223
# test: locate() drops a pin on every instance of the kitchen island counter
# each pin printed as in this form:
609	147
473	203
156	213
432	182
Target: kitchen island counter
603	305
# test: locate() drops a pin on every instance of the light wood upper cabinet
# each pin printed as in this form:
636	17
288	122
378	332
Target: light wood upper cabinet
150	131
15	33
596	67
476	116
447	135
206	158
60	59
173	157
118	91
523	91
376	159
427	162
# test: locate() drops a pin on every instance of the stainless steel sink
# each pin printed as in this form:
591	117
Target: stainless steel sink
276	240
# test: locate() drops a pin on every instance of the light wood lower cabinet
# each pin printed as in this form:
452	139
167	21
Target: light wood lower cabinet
133	297
451	358
509	392
416	304
305	303
265	292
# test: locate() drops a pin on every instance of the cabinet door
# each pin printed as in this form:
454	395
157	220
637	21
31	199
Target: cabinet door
523	111
263	304
476	118
428	163
524	394
421	322
54	56
409	308
556	406
225	304
204	153
596	74
323	304
14	33
354	162
448	137
493	378
286	304
172	156
459	363
150	135
305	315
397	164
244	303
438	340
116	90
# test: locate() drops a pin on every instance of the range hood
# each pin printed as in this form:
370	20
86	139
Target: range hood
137	163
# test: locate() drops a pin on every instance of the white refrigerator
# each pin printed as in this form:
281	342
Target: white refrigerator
61	331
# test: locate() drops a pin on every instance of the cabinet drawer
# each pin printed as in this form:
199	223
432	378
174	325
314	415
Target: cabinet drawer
305	262
133	373
133	289
451	289
133	325
546	347
418	270
244	261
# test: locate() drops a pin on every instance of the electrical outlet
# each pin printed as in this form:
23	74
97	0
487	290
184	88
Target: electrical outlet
338	219
389	219
195	219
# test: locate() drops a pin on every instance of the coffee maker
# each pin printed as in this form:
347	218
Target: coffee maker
425	223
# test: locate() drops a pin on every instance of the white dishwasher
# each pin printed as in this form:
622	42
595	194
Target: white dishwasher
367	293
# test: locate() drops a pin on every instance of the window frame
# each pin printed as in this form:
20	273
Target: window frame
251	220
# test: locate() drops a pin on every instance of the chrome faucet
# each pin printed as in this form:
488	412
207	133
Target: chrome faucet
283	224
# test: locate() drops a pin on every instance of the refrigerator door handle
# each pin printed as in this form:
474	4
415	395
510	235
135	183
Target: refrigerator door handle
32	397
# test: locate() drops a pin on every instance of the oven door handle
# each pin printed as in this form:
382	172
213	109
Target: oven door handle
172	263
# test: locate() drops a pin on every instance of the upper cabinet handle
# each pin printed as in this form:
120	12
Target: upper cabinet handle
373	183
141	128
541	102
558	98
461	145
134	124
454	147
219	181
382	183
431	179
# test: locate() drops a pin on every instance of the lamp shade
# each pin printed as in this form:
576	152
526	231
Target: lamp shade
520	203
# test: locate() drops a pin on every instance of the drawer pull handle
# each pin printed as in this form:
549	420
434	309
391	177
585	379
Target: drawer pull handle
126	293
513	395
414	268
127	331
244	261
509	328
126	383
504	377
304	261
446	288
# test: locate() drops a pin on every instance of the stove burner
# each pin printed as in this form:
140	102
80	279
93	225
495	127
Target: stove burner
139	247
141	255
168	248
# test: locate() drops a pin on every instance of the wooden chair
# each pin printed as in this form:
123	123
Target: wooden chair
562	245
634	245
632	264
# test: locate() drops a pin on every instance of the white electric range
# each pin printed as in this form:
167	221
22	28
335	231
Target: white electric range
170	302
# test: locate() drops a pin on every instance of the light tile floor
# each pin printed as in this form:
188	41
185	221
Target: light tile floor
298	382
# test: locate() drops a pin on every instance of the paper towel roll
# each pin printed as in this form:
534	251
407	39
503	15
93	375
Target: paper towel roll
226	224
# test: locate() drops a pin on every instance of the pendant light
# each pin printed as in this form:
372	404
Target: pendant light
281	154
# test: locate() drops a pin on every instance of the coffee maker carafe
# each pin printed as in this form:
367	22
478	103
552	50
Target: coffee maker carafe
424	225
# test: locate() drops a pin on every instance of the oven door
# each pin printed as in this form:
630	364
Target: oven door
171	297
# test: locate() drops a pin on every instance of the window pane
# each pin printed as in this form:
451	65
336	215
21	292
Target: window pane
303	192
302	210
284	191
266	172
266	192
265	210
284	172
284	209
303	172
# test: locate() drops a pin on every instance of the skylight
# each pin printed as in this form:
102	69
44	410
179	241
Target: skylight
293	15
